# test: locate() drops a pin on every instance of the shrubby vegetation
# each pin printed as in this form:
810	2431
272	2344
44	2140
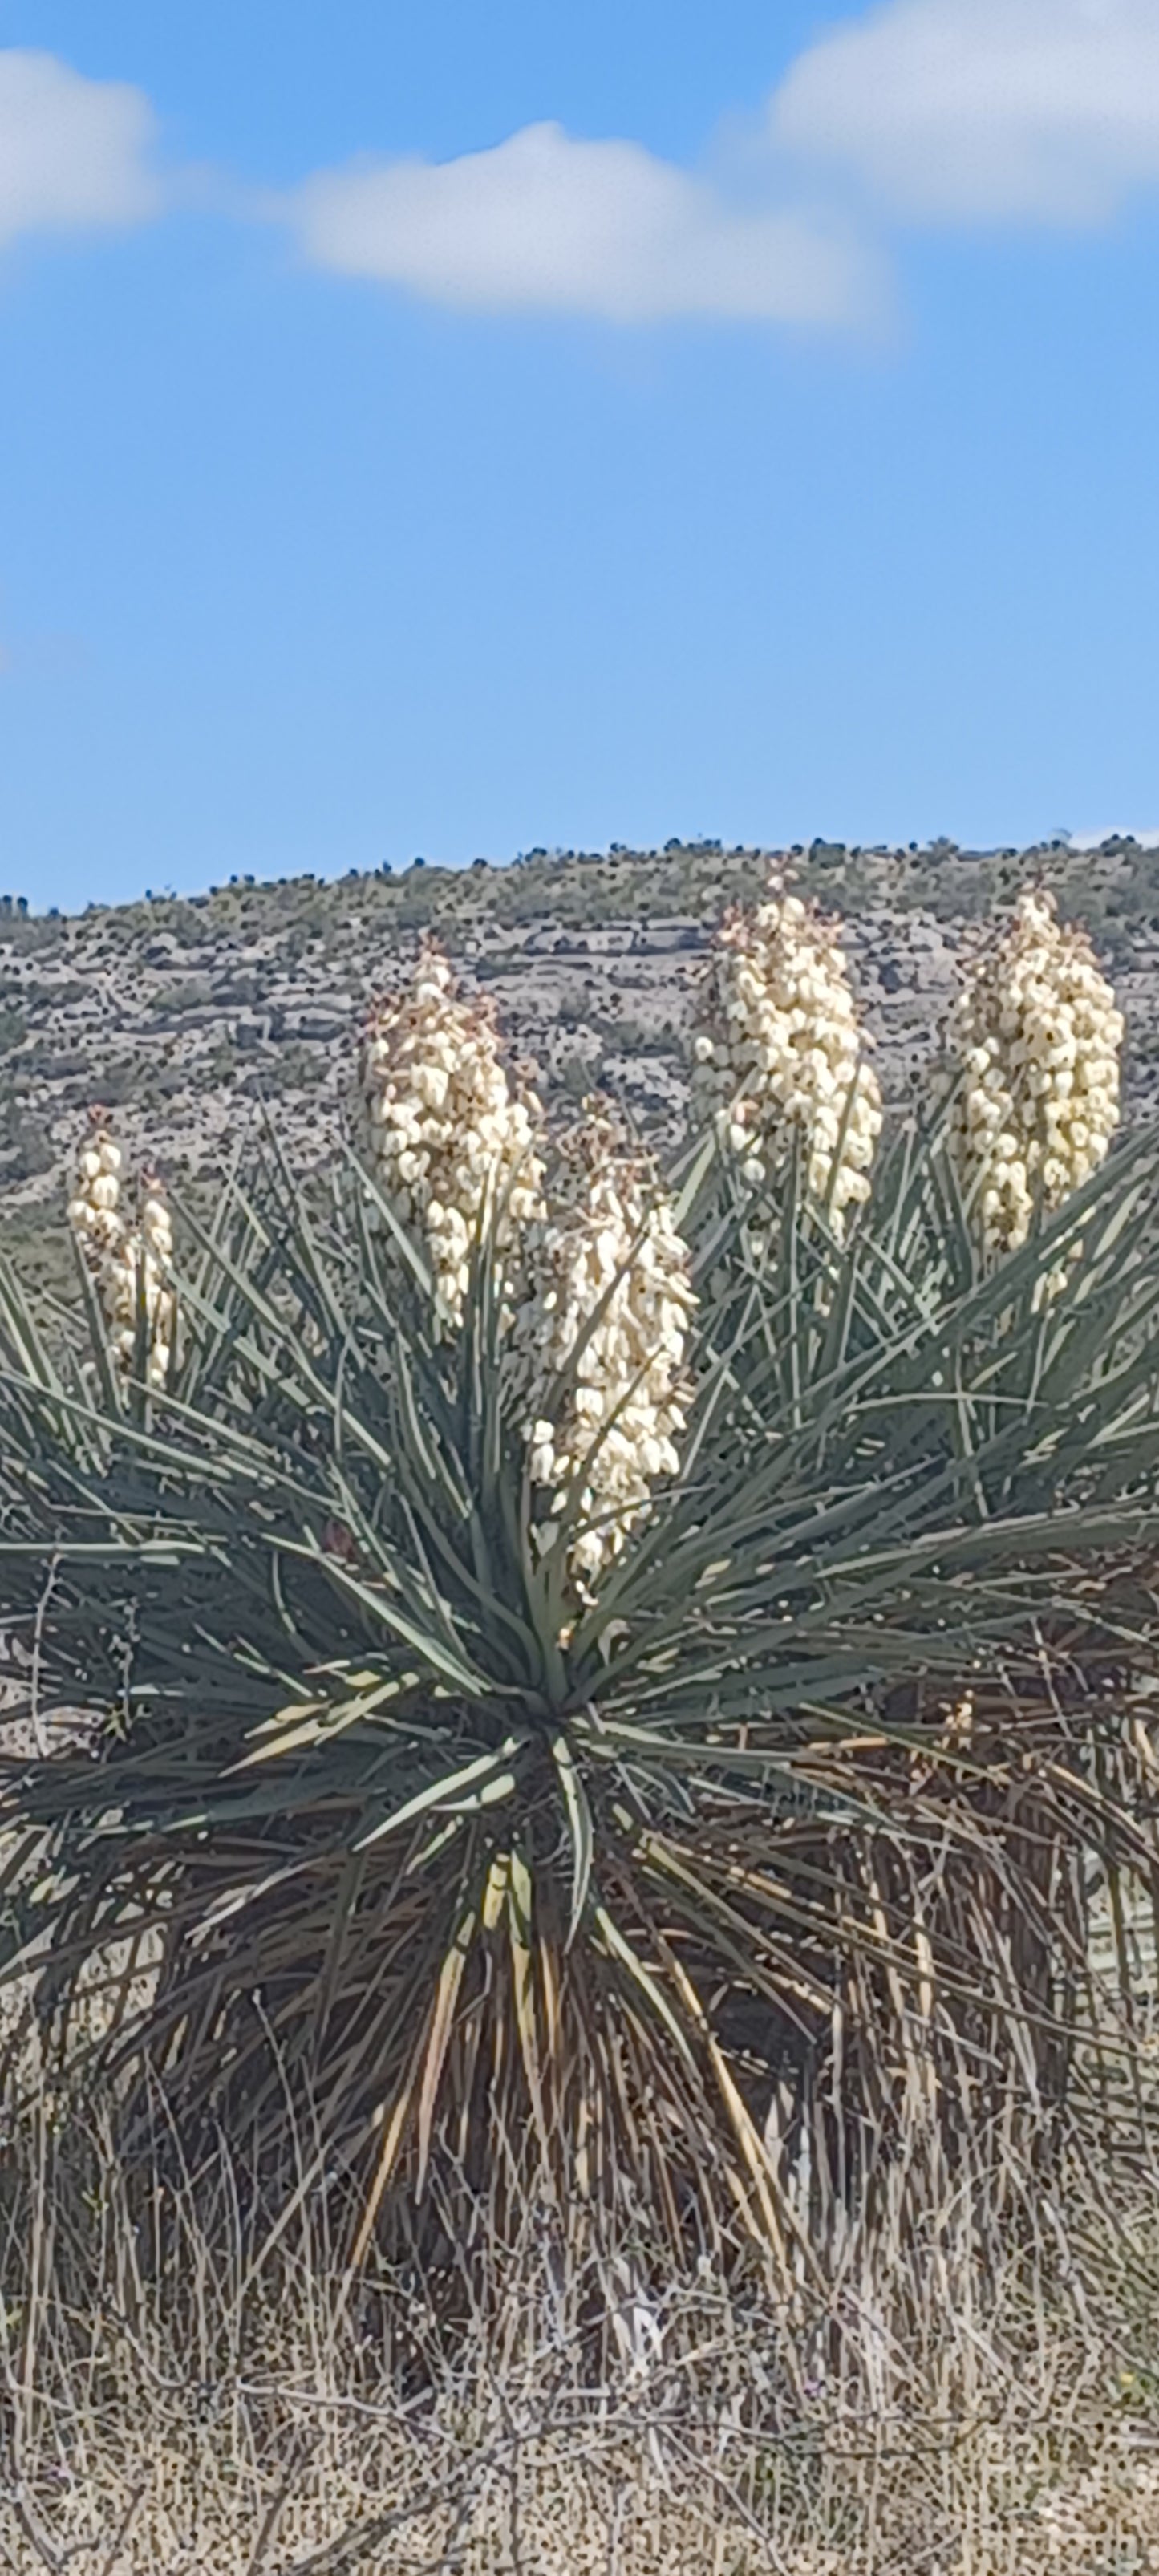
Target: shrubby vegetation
1116	884
610	1695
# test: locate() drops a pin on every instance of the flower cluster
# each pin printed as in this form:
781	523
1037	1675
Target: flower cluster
448	1133
1034	1037
132	1263
778	1049
606	1248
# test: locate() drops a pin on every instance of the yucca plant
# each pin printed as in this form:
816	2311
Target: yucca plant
468	1854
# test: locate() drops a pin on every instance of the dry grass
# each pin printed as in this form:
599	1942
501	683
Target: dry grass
976	2392
185	2396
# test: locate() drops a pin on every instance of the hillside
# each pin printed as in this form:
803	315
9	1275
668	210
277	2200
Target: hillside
184	1014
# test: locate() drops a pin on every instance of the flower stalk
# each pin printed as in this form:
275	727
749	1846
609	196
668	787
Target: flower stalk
131	1263
1034	1039
601	1338
778	1052
448	1131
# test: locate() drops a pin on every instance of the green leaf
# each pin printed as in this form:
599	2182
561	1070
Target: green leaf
579	1821
488	1770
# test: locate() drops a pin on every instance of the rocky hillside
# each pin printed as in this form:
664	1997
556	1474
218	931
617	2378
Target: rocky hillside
186	1014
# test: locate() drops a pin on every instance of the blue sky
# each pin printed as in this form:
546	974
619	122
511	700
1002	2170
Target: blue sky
450	430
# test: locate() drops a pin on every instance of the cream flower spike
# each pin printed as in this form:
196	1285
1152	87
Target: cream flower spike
445	1127
126	1259
608	1228
1034	1039
778	1048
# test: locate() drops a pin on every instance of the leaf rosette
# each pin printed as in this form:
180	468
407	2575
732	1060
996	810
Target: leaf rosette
485	1845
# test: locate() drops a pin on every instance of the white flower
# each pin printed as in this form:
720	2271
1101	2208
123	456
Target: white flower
448	1132
131	1264
779	1051
606	1244
1034	1038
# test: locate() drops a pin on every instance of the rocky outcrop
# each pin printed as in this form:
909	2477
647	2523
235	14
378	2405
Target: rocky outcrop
184	1017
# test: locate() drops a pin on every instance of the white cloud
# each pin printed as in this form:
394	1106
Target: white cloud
73	152
542	223
1041	110
931	110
